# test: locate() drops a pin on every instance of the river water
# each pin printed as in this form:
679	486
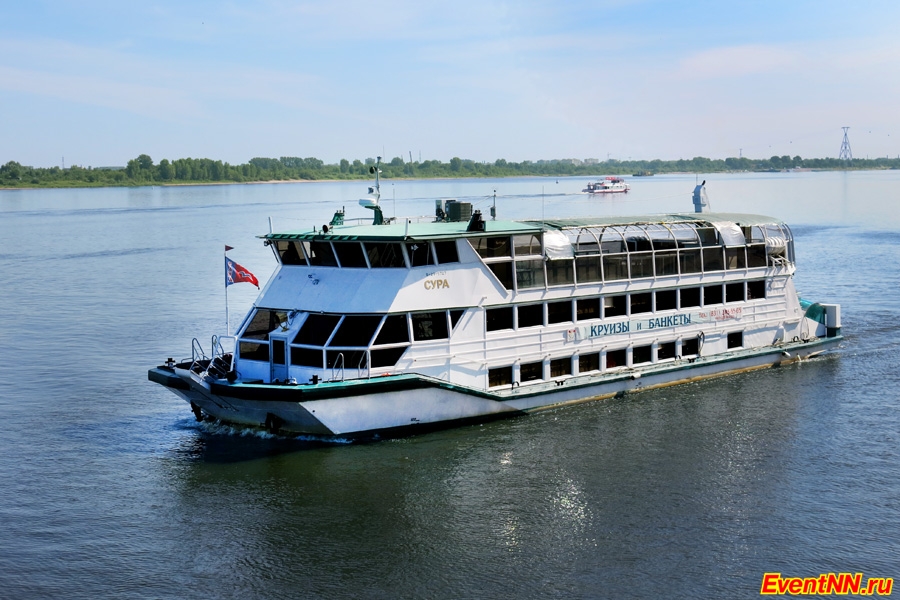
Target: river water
110	489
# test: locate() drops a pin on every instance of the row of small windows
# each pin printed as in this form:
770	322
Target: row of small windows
603	307
363	255
328	339
591	362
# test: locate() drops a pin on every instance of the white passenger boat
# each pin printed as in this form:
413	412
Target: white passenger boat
397	327
607	185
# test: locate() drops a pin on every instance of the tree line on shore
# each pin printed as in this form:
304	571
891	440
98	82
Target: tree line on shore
142	170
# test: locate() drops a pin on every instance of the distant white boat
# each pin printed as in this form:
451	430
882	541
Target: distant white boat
608	185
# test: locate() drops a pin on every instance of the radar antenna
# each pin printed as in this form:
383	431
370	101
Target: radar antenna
371	201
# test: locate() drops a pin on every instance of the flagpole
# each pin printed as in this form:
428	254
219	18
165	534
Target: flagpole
227	321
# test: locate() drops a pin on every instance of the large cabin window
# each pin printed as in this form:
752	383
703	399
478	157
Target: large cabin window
531	371
254	351
429	326
528	244
350	254
321	254
587	308
289	253
419	254
387	357
356	330
499	318
665	351
491	247
756	289
446	252
504	272
689	261
560	272
689	297
587	269
641	355
614	306
713	259
384	255
734	292
641	303
712	294
589	362
264	322
735	339
560	367
559	312
316	330
394	331
531	315
666	300
756	255
500	376
529	273
306	357
616	358
736	258
690	346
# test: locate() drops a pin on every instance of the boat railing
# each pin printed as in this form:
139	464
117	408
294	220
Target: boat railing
222	361
363	366
199	360
338	368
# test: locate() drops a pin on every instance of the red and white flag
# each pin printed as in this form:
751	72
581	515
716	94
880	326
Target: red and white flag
235	273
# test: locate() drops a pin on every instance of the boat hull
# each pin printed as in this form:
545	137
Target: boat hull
409	403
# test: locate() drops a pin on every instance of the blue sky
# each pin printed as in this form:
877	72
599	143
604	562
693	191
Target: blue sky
101	82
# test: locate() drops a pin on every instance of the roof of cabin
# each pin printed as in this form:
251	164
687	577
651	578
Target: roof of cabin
398	231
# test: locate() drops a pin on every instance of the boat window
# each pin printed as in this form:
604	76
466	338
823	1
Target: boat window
587	269
734	292
754	234
616	358
356	330
666	300
387	357
306	357
503	271
316	330
321	254
419	254
587	243
685	235
612	242
528	244
708	236
455	315
254	351
278	352
263	322
615	267
394	331
531	315
735	258
689	261
613	306
560	272
384	255
641	264
665	351
529	273
350	254
641	354
713	259
446	252
289	253
531	371
587	308
637	240
589	362
666	263
352	359
560	367
500	376
429	326
499	318
661	237
712	294
690	346
735	339
559	312
491	247
690	297
756	289
756	255
641	303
